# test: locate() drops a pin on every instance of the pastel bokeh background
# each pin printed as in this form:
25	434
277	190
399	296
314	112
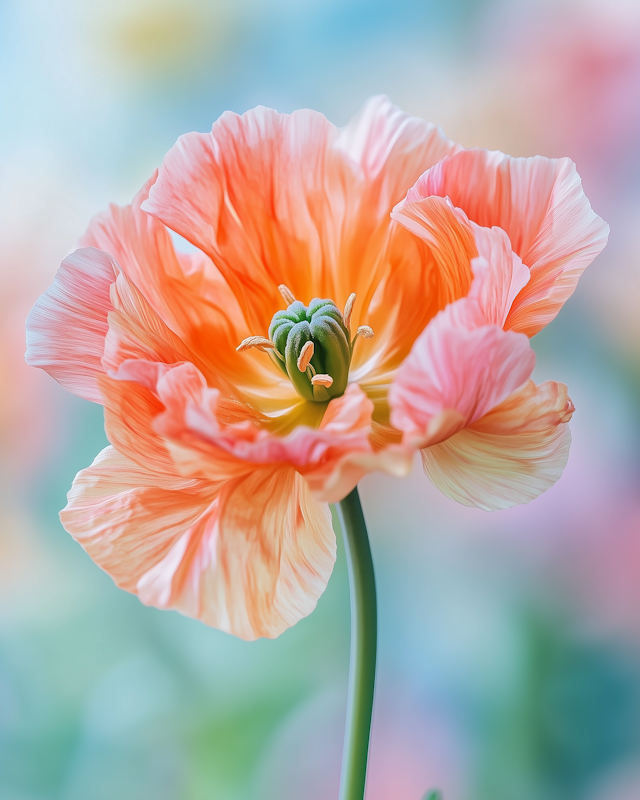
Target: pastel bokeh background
509	642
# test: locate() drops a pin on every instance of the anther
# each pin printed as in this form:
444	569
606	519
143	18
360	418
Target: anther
287	294
260	342
348	308
365	331
306	354
322	380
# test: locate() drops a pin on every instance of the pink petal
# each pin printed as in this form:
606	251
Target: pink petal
66	328
499	275
540	204
250	557
456	373
392	146
509	456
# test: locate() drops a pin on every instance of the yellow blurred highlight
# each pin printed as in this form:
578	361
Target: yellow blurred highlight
165	38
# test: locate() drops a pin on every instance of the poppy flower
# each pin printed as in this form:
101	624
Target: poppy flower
353	296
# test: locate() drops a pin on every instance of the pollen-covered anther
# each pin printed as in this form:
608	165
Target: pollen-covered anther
260	342
287	295
306	354
365	331
348	308
322	380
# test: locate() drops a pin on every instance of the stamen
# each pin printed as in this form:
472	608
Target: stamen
260	342
287	295
306	354
348	308
365	331
322	380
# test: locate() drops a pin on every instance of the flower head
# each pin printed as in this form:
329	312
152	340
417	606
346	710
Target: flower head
356	295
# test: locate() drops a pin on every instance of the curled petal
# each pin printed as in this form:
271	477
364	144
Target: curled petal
509	456
499	275
332	457
429	254
455	374
166	415
540	204
249	556
201	445
67	327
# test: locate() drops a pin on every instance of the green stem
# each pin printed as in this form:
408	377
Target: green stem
362	670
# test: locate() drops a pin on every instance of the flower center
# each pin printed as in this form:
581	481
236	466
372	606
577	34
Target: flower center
312	345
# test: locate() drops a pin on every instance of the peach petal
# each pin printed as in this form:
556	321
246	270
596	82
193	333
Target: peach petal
130	409
509	456
540	204
324	196
166	414
250	556
259	562
277	550
191	298
67	327
453	367
257	173
128	517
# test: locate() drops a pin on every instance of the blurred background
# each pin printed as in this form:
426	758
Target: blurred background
509	642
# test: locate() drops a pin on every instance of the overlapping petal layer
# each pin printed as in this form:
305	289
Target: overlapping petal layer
153	409
540	204
459	395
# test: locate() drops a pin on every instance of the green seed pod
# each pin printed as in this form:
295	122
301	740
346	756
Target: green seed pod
320	323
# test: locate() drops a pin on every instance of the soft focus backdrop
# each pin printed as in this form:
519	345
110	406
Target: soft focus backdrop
509	642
